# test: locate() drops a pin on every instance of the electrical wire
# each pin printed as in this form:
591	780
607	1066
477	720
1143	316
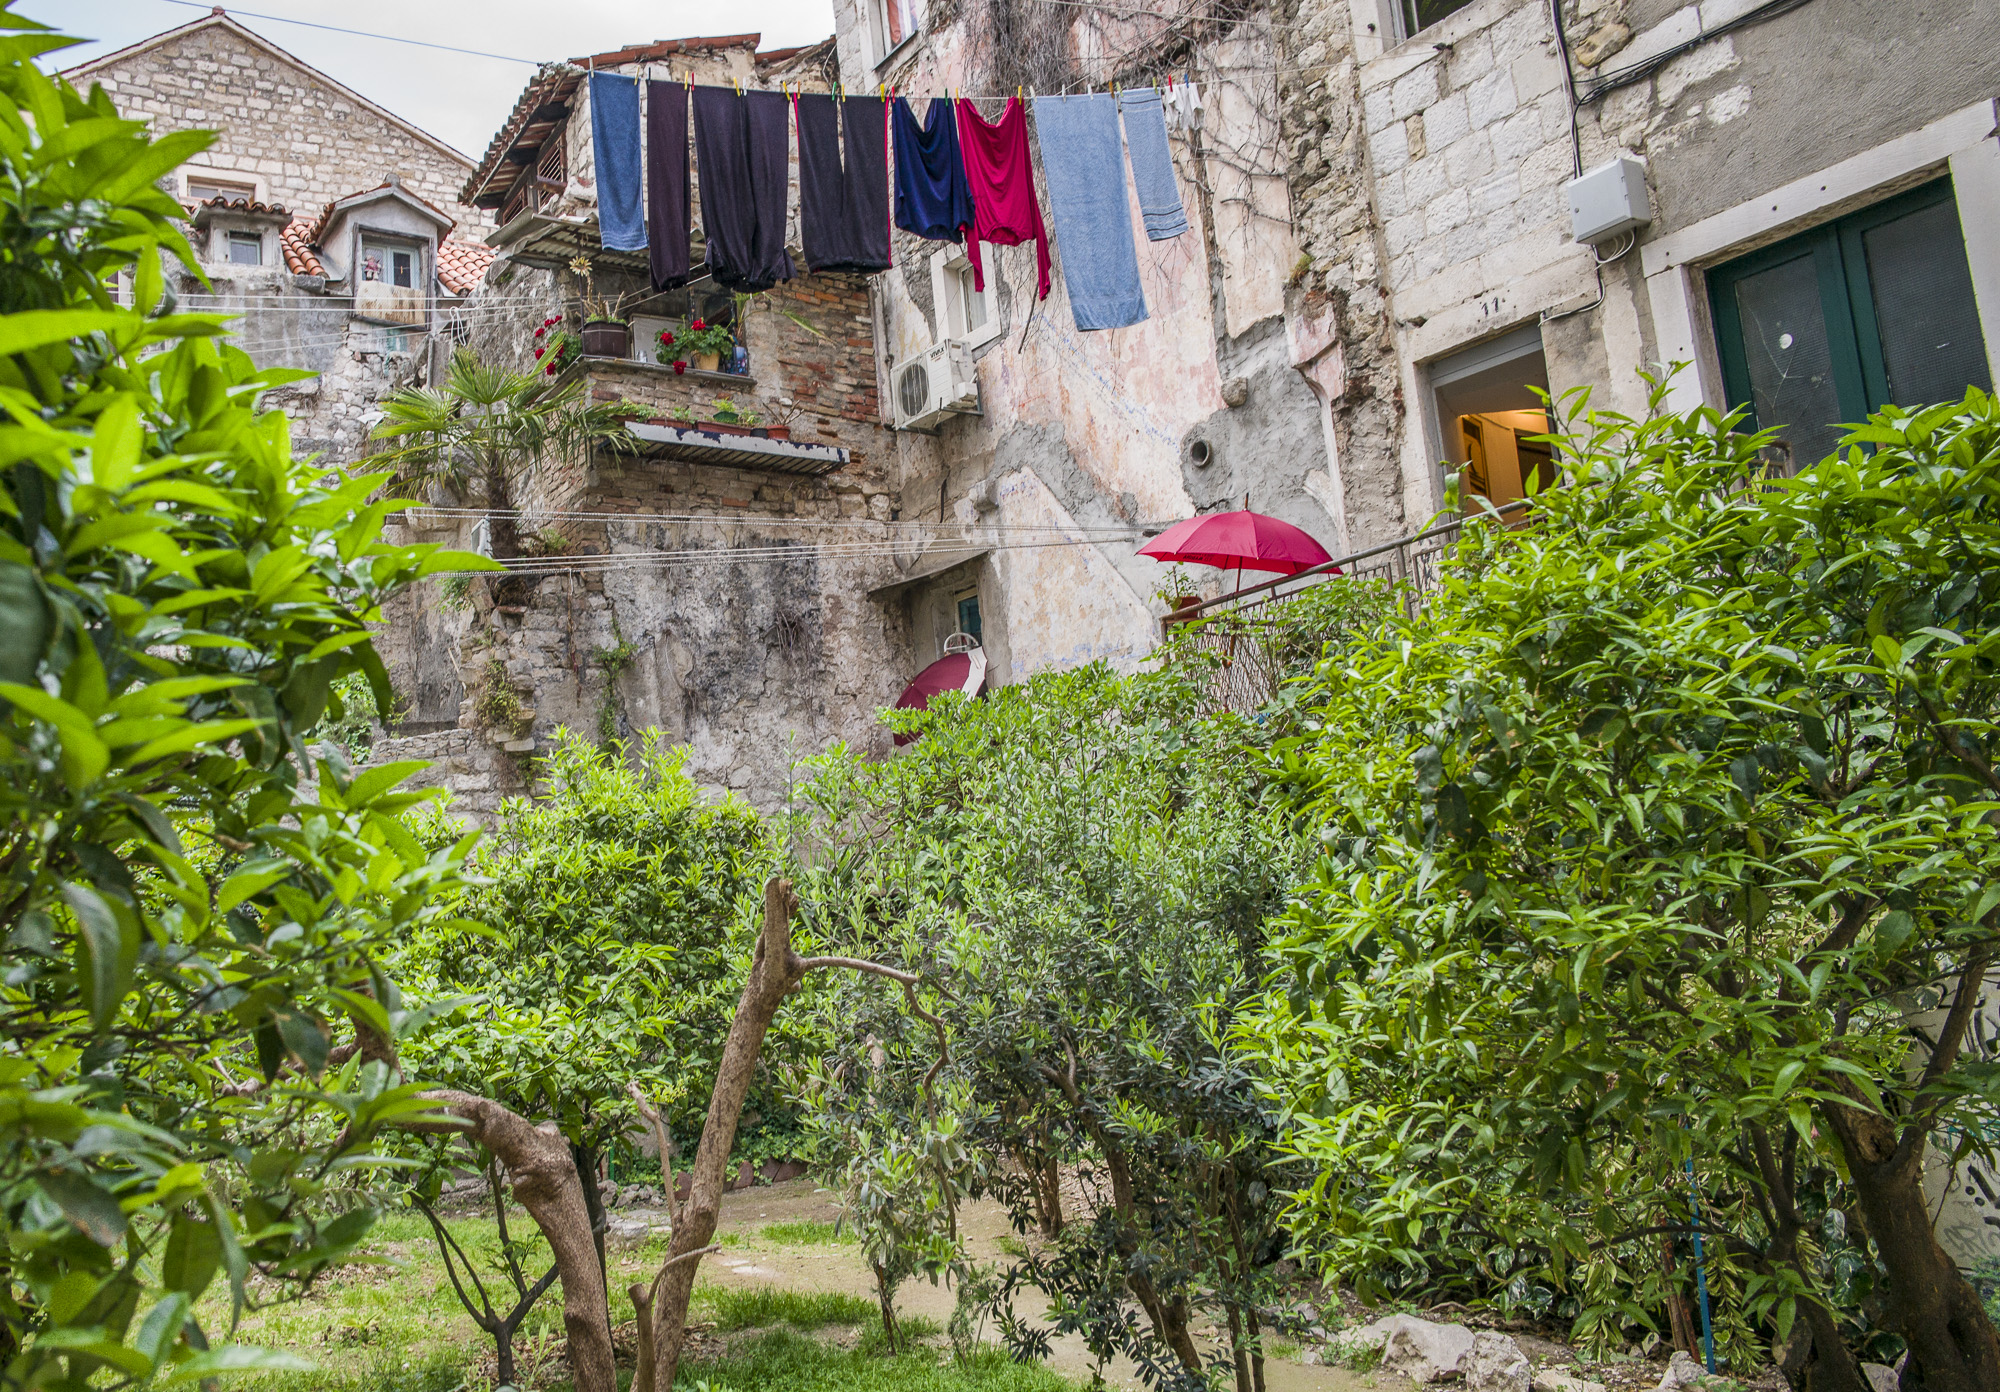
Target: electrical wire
543	515
355	33
697	558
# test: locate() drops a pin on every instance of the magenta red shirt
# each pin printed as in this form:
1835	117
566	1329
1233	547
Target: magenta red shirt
1005	211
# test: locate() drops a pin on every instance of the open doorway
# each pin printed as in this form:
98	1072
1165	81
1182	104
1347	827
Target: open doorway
1488	415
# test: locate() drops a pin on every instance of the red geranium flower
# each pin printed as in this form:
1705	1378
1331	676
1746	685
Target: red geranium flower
550	370
666	336
698	324
680	367
540	351
542	330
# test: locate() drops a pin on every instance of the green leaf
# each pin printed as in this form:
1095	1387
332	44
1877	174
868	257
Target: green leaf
235	1358
193	1252
94	1211
84	755
107	950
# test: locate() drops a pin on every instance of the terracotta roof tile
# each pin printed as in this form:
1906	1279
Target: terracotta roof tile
240	205
296	239
326	213
462	265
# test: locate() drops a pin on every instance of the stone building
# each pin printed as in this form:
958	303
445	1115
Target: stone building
331	225
709	588
1808	216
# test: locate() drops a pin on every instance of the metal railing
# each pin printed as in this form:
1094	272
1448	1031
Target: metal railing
1255	639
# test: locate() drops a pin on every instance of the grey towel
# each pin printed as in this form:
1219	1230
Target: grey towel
1085	172
1152	167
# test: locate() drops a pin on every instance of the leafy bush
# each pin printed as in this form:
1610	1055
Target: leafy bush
179	933
1644	843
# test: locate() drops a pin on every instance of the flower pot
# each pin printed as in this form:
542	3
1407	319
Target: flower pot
777	432
705	362
1186	601
607	338
728	428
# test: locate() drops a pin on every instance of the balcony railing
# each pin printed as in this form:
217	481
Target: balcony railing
1255	639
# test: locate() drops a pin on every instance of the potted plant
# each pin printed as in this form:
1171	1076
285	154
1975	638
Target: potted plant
787	411
605	332
1179	594
700	343
727	418
555	346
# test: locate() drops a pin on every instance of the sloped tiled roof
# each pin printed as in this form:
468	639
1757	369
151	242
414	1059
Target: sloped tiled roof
296	239
462	265
242	205
326	213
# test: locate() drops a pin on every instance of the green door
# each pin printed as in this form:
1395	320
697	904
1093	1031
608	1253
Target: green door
1822	328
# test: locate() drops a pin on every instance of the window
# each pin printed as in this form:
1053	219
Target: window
246	248
1825	327
893	21
1488	414
968	615
969	315
392	265
1417	15
201	188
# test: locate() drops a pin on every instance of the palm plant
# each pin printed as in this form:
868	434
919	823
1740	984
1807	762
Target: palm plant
487	426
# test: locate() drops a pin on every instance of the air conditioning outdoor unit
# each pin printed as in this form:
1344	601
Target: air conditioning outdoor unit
938	382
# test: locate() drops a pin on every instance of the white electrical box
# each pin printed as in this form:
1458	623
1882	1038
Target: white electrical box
1608	200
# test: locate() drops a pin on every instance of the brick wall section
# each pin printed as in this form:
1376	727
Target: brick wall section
834	374
306	137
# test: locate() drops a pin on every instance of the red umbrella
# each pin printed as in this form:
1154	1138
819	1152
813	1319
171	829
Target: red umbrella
958	672
1243	540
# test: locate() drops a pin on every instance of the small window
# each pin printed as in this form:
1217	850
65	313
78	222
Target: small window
1415	16
1825	327
894	21
246	249
389	282
964	313
391	265
201	189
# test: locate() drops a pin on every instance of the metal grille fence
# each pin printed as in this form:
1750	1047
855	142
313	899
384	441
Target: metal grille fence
1249	643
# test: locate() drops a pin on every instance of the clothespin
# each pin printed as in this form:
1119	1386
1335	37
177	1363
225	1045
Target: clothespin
1019	90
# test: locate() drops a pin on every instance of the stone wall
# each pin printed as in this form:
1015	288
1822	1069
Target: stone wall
303	137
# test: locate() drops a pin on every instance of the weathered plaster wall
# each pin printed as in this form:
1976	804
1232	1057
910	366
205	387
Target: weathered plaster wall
277	121
1090	430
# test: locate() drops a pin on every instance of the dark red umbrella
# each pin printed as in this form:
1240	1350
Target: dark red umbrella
958	672
1239	540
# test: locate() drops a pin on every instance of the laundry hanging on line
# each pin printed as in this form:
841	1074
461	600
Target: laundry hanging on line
933	199
669	190
614	141
1182	101
843	203
1152	164
1084	163
1001	174
742	154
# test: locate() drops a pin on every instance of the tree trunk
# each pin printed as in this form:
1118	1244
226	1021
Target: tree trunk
885	1295
1048	1196
503	1359
1953	1346
774	971
545	1181
585	1159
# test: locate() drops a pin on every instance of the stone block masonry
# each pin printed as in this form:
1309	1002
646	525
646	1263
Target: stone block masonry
302	138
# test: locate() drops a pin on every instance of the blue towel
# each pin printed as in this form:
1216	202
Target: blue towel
933	197
614	143
1084	166
1152	167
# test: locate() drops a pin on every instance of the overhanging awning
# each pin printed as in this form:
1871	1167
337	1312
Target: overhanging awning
934	559
543	239
690	444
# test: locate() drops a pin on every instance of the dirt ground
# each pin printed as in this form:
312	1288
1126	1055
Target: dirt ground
751	1262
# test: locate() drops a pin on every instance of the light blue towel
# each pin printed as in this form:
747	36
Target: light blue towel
1152	167
1085	169
614	143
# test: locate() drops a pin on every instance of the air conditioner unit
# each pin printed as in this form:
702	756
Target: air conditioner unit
938	382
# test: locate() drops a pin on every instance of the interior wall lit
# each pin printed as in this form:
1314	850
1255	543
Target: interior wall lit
1488	414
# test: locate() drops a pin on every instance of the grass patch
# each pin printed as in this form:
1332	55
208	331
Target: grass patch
783	1361
753	1308
914	1329
804	1232
1280	1348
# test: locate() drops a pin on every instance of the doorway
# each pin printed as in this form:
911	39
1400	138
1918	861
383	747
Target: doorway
1488	416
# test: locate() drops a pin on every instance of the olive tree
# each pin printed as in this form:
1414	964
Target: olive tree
1642	843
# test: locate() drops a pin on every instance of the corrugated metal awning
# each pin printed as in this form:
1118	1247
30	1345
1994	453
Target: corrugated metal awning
690	444
543	239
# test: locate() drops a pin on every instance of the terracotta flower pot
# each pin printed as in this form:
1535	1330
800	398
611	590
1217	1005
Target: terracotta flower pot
607	338
728	427
777	432
705	362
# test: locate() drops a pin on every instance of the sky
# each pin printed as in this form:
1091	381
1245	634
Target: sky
460	99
